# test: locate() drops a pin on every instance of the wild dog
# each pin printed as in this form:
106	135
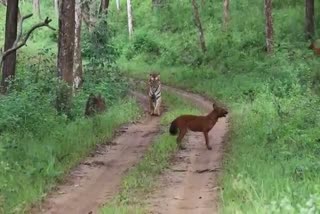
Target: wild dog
95	104
315	49
196	124
154	94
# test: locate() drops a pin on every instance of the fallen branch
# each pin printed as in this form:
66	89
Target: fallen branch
179	170
207	170
15	47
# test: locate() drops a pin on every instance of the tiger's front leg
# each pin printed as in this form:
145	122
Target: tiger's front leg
157	107
151	108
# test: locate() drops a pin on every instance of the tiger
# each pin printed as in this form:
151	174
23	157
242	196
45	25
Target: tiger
154	94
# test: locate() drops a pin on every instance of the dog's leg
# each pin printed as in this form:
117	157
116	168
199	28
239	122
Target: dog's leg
182	133
207	140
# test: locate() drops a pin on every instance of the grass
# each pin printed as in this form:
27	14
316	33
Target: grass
32	166
38	145
142	178
272	165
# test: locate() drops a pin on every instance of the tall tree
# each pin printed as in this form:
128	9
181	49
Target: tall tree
87	16
268	25
9	64
156	3
309	19
118	4
77	66
66	52
130	18
56	7
198	24
36	7
3	2
104	5
226	13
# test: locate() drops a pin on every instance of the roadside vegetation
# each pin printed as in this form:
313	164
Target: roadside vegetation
272	164
39	145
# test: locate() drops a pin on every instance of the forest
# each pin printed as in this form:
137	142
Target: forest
75	133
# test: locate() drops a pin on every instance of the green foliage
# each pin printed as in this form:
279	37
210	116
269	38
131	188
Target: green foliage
38	145
272	164
32	164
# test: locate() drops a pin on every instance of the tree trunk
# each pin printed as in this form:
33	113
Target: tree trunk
156	3
77	66
268	25
226	17
104	5
309	19
130	18
3	2
66	52
86	16
199	25
56	7
9	64
36	8
118	4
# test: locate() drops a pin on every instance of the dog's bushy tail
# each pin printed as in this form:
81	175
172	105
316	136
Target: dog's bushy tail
173	128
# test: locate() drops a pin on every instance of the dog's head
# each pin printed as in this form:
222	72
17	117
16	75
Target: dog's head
221	112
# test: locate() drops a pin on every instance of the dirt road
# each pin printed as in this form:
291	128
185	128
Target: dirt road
190	186
98	178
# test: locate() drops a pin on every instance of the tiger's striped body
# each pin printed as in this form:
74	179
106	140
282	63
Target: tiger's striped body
154	94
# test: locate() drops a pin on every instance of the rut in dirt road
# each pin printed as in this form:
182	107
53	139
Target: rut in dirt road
190	185
98	178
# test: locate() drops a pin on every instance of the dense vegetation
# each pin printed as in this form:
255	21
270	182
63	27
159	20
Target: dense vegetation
38	145
272	164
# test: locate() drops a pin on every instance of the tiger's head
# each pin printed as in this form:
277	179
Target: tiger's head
154	82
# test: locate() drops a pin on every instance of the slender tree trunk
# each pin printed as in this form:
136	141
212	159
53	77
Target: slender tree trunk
9	64
3	2
86	16
66	53
309	19
226	12
199	25
77	66
118	4
104	5
268	25
56	7
130	18
156	3
36	8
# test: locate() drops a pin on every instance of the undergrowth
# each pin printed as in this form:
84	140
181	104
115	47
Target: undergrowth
272	165
38	145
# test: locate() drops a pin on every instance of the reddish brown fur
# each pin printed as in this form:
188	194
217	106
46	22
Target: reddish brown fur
313	47
95	104
196	124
